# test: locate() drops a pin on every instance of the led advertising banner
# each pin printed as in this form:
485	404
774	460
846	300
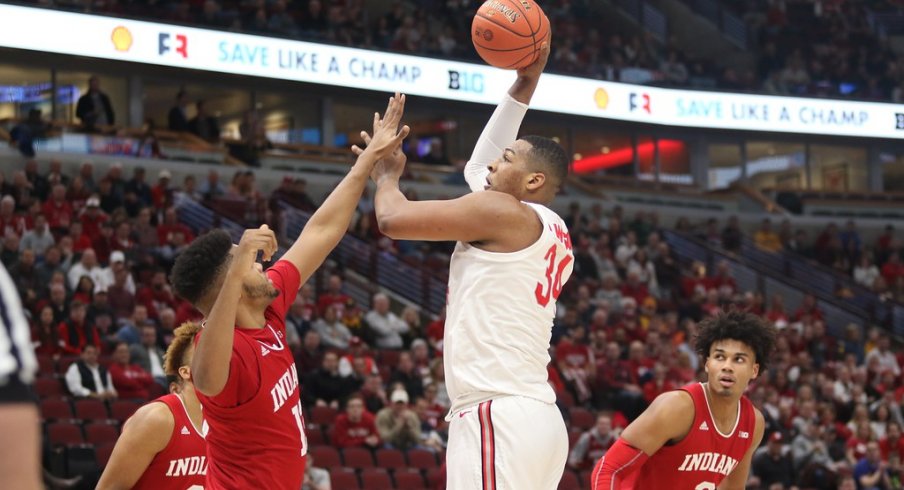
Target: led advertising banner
225	52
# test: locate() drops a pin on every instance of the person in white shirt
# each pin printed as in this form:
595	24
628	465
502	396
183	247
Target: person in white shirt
87	379
86	266
385	324
887	358
512	258
149	355
108	274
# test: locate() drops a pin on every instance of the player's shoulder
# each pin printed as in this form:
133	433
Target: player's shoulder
151	418
675	401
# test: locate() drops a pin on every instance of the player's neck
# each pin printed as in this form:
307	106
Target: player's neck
724	409
250	316
192	405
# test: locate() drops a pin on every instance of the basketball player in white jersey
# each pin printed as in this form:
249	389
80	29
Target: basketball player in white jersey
512	257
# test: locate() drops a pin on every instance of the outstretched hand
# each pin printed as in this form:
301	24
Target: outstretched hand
535	69
387	135
253	241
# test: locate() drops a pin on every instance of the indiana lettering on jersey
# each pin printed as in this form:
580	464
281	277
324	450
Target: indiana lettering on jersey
195	465
284	388
713	462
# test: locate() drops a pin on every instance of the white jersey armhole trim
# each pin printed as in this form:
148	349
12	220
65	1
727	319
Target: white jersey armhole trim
190	421
517	253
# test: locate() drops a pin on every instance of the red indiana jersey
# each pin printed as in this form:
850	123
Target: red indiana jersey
183	462
255	435
705	456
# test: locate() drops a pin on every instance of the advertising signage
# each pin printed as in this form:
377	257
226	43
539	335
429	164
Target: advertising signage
225	52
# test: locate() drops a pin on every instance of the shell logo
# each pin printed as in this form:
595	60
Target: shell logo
601	97
122	39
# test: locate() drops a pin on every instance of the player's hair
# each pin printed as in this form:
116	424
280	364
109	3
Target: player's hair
744	327
175	353
199	266
550	156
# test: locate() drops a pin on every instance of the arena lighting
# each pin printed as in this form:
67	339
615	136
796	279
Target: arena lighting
190	48
625	156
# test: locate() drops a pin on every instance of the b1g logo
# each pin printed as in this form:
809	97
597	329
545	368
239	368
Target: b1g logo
466	82
172	42
899	121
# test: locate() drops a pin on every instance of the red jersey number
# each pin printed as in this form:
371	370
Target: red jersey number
553	286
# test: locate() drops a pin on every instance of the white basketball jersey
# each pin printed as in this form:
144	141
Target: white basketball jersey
499	316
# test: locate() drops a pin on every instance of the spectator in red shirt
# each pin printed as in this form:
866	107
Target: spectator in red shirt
658	385
355	427
46	335
809	308
92	217
130	380
80	240
617	381
157	296
435	331
892	442
575	362
161	192
170	225
893	269
776	311
332	296
58	210
104	244
10	222
722	281
633	288
76	332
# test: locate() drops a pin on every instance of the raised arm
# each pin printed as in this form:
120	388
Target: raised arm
328	225
668	417
210	364
502	128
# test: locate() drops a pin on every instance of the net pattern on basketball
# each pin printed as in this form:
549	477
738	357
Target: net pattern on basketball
508	33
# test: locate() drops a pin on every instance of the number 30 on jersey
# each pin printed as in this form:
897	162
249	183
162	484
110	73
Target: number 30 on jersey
553	284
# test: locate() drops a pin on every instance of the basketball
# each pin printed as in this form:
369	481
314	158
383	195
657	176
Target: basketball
508	33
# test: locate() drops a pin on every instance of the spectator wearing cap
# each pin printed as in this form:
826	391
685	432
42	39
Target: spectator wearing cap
38	239
92	217
772	465
397	424
356	427
385	325
76	332
333	333
86	378
162	192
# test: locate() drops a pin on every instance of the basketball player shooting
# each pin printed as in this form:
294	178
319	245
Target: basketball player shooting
162	445
703	436
512	257
243	372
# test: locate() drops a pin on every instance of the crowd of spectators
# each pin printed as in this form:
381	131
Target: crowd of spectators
874	266
90	254
822	48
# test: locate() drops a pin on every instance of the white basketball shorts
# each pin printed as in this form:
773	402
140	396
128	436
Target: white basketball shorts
508	443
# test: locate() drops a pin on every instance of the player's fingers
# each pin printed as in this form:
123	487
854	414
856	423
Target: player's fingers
402	134
366	137
376	121
357	150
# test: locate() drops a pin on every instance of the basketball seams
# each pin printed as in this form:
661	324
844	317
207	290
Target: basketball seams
503	26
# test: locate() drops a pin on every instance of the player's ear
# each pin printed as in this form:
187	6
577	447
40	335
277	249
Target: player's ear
756	370
535	180
185	373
